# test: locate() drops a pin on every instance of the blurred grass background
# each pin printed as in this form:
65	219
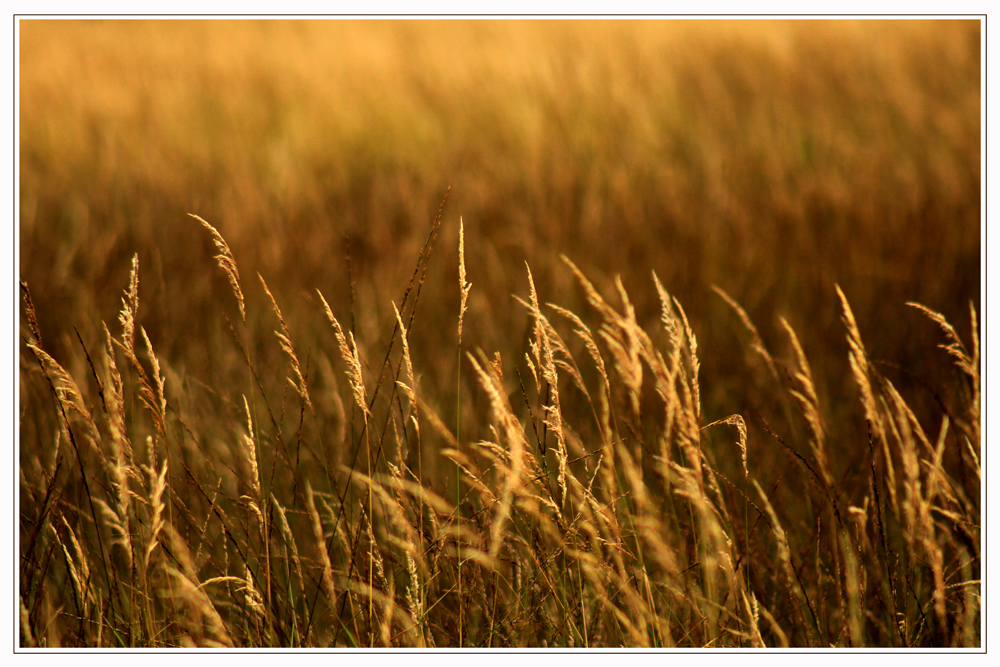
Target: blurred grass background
773	159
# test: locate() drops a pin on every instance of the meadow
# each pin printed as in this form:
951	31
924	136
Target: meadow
499	334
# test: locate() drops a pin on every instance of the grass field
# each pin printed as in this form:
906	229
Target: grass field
500	334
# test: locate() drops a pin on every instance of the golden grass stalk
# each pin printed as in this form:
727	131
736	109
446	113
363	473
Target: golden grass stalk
130	307
741	429
373	545
593	296
66	389
116	404
954	347
692	356
516	442
757	344
546	362
411	389
463	286
583	331
536	344
859	364
250	452
968	363
561	354
414	597
285	339
862	374
157	484
122	465
753	613
118	521
810	404
622	338
157	402
681	419
153	399
317	526
289	538
252	598
227	262
29	309
350	355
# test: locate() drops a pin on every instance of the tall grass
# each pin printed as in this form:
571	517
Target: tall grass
600	518
592	451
